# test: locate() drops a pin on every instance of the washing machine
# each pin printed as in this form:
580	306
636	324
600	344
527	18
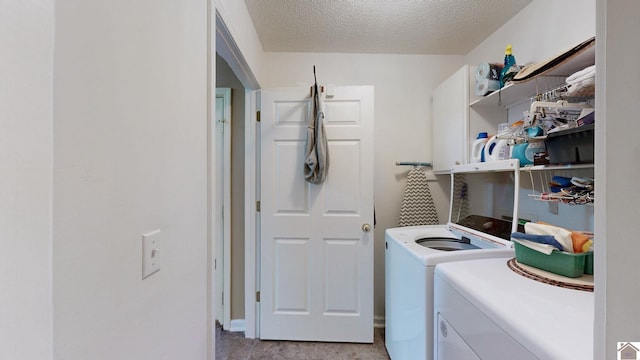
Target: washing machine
490	192
484	310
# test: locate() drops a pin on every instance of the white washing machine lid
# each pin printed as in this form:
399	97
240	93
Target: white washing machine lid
488	233
406	237
484	224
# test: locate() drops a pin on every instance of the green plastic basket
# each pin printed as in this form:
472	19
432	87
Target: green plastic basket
558	262
588	263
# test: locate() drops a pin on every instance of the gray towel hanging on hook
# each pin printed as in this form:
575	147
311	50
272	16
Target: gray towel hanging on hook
316	160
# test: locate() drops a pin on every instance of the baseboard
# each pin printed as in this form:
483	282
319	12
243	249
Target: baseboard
237	325
378	321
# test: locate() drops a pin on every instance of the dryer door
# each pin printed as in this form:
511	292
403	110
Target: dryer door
449	345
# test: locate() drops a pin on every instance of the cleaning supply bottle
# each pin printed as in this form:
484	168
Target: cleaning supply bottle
477	149
519	152
496	149
509	62
536	146
526	151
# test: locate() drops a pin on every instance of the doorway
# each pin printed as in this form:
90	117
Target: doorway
242	283
229	229
222	211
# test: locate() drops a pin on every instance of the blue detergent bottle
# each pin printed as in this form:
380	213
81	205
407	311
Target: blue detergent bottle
509	62
477	148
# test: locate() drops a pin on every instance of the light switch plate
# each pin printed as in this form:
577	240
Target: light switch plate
151	253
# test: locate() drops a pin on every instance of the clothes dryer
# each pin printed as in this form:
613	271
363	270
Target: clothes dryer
487	311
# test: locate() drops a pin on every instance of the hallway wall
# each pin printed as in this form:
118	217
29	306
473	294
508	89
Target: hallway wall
236	18
26	120
130	156
616	246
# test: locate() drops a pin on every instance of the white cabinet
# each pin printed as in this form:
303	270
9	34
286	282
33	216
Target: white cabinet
450	122
455	124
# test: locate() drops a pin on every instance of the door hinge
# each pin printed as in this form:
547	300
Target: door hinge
258	116
257	296
258	206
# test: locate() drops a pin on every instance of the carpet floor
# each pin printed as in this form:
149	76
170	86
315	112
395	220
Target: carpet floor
234	346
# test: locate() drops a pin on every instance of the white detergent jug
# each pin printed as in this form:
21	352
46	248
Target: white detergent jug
477	148
496	149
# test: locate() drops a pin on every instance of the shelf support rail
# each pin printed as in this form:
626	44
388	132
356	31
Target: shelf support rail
413	163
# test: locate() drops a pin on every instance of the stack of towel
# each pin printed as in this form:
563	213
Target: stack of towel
546	238
582	83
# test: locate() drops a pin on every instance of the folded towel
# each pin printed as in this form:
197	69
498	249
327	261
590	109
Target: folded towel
563	236
581	79
587	72
543	248
581	87
541	239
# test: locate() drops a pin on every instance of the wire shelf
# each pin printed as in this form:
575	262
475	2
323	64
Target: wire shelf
566	195
561	93
586	199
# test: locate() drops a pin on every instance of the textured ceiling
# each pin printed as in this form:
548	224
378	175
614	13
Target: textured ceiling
379	26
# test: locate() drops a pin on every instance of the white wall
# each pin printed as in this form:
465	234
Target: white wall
130	156
26	120
541	30
403	86
616	254
236	18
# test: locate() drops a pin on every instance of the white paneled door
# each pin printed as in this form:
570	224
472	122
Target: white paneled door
316	241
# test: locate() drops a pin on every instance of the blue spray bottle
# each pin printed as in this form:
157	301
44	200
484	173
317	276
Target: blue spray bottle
509	61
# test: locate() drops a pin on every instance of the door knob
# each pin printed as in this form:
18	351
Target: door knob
366	227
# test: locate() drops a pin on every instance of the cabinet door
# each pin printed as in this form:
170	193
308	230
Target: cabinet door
450	119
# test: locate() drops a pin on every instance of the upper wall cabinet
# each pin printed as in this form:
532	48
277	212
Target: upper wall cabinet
455	124
450	121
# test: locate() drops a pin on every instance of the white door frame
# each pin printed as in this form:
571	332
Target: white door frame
251	224
211	182
222	209
228	49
